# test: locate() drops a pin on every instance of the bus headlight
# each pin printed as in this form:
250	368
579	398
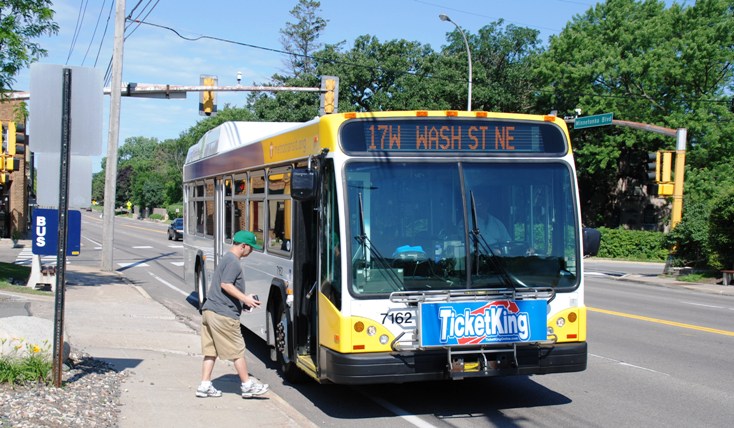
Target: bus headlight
560	322
371	330
383	339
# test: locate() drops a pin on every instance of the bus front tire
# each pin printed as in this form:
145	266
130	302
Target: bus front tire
283	347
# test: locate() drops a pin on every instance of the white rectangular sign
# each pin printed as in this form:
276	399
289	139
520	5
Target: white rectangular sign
80	181
87	94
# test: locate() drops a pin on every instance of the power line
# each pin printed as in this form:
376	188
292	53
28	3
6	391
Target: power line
129	17
104	34
280	51
94	33
77	28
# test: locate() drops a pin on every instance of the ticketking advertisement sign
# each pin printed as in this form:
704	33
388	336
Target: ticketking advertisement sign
482	323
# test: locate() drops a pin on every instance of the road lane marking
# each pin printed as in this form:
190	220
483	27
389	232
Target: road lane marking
177	263
168	284
97	244
142	247
130	265
143	228
405	415
707	306
622	363
662	321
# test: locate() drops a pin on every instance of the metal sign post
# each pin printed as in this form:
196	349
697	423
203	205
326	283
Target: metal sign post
58	361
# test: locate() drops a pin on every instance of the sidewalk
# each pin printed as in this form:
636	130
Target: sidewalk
119	323
669	281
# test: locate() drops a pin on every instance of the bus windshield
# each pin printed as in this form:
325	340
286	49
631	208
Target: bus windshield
444	226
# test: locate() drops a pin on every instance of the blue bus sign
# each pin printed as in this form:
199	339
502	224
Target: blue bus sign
477	323
46	232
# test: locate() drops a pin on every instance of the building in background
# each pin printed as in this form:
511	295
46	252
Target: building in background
14	195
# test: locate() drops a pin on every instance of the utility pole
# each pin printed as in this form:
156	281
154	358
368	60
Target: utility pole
110	188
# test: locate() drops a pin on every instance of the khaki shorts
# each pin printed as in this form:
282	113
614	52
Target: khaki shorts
221	337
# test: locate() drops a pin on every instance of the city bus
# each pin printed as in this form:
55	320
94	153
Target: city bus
398	246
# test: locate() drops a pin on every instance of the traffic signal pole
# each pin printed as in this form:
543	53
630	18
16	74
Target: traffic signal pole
680	167
680	135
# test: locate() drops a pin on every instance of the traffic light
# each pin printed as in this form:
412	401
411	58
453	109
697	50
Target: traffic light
666	173
207	99
329	95
661	171
653	166
16	138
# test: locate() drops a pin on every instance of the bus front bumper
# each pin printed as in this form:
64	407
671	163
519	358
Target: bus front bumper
371	368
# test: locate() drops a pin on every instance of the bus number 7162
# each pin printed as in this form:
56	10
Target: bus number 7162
399	318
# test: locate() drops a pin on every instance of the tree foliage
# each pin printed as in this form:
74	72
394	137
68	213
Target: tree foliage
648	64
300	39
21	22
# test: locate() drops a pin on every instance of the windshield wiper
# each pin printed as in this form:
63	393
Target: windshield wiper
482	247
366	244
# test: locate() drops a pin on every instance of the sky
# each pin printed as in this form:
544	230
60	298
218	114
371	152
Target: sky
158	56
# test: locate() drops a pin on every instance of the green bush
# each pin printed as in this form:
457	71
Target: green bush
690	238
172	211
721	229
632	245
156	217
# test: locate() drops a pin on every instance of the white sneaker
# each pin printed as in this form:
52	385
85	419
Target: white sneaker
254	388
208	392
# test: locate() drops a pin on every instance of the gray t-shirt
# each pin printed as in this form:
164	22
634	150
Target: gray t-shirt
228	271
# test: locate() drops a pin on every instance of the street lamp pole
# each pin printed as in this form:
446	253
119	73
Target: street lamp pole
468	54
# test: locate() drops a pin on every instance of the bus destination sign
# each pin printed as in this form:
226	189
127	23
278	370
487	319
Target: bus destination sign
443	135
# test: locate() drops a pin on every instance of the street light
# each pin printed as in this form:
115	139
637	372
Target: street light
468	54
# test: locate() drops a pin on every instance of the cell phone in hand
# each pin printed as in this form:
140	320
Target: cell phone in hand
250	308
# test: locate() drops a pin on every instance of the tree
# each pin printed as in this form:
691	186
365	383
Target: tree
669	67
21	21
300	39
721	229
378	76
172	155
501	58
286	106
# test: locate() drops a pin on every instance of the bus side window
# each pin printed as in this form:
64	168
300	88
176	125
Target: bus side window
279	236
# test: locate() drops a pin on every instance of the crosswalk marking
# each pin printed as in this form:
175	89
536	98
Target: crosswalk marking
25	258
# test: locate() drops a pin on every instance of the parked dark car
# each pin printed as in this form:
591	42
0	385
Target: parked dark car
175	229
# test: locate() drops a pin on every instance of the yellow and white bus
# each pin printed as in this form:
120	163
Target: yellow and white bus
399	246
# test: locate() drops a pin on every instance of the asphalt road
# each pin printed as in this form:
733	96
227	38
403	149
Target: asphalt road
658	356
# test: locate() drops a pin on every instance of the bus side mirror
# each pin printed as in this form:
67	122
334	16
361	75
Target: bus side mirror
592	242
303	184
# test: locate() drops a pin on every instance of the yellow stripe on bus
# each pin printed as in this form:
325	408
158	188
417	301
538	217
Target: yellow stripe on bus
662	321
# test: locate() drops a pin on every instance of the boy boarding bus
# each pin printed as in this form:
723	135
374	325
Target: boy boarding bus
399	246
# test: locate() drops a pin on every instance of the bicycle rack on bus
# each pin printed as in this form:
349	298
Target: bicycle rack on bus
485	357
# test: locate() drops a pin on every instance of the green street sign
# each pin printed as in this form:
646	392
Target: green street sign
591	121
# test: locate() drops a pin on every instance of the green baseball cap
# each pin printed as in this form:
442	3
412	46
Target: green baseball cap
246	237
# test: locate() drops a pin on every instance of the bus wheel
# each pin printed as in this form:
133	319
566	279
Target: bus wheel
283	346
201	286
